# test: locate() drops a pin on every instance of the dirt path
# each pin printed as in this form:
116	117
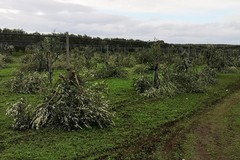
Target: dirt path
213	134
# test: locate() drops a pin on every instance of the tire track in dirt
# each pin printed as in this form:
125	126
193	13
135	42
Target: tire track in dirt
171	136
210	127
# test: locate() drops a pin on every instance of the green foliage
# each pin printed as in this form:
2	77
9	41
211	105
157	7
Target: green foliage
99	87
6	58
87	74
28	82
220	60
2	61
20	111
78	60
69	106
171	83
72	106
208	76
103	71
96	59
188	79
49	144
144	57
142	83
42	56
118	72
188	82
151	92
141	69
231	69
7	49
166	88
88	54
128	61
100	71
193	81
36	61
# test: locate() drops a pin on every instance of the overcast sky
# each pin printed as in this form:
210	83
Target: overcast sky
174	21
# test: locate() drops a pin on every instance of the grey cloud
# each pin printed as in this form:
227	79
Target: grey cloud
81	19
46	6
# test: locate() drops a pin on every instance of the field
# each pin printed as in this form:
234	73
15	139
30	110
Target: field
145	128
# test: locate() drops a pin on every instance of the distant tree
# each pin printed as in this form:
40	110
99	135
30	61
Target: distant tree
156	56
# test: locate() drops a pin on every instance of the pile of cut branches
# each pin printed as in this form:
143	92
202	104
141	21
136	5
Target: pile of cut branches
72	105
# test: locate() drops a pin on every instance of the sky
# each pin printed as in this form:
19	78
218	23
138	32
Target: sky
174	21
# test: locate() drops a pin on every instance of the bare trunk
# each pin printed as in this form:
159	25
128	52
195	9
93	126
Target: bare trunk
106	62
156	80
50	70
67	49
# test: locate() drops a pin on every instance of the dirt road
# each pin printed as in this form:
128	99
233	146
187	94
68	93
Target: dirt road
210	135
216	134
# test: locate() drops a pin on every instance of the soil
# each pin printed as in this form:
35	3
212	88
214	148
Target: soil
211	130
171	140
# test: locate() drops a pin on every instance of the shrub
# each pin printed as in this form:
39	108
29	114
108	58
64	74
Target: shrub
186	82
151	92
142	84
60	65
5	59
100	71
87	74
2	62
20	113
231	70
34	62
166	88
42	56
110	71
100	87
118	72
141	69
28	82
8	59
128	61
208	75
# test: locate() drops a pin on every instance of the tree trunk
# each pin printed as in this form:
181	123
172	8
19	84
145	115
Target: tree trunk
67	49
50	70
156	80
106	62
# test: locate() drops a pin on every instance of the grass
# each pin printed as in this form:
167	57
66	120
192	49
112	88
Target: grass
232	120
135	117
219	134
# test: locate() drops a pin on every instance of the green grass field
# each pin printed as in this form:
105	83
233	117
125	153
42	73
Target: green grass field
135	117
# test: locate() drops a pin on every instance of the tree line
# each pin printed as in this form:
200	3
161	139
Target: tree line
20	39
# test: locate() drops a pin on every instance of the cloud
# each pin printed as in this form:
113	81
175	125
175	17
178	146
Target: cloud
160	6
8	11
174	21
40	13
